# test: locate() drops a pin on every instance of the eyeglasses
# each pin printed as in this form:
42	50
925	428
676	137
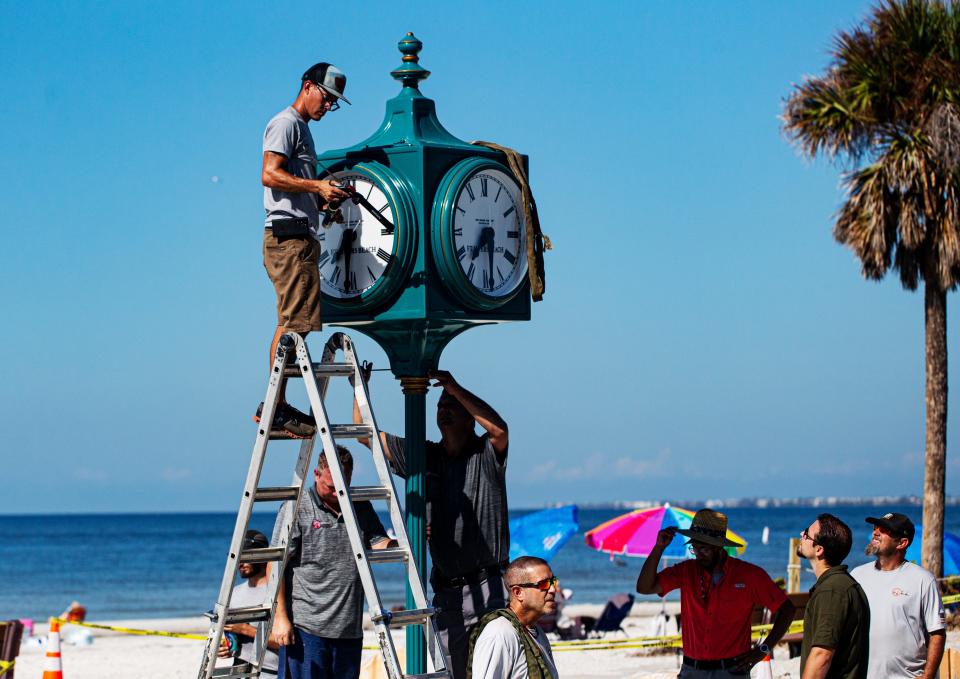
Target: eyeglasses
335	104
806	536
543	585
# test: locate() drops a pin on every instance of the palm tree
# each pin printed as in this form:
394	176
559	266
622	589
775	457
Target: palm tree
888	107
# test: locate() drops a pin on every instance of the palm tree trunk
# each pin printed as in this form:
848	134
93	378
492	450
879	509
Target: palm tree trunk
935	305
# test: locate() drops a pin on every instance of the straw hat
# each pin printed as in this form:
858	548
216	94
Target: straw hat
710	527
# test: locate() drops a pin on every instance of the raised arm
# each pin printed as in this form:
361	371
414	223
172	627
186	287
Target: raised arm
648	582
357	419
479	409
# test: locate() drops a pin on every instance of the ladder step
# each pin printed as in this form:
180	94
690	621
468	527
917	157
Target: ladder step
353	431
261	555
272	494
391	555
413	616
322	370
236	672
282	435
359	493
248	614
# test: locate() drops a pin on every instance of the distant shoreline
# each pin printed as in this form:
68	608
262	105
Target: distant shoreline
769	502
715	503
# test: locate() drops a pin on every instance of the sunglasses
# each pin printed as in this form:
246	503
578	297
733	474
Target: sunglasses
334	104
543	585
806	536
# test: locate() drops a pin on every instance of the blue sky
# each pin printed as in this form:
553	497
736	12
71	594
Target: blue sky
702	334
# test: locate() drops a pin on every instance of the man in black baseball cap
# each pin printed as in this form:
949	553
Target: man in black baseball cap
907	626
247	594
897	525
292	200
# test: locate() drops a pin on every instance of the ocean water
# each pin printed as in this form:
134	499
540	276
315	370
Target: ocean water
169	565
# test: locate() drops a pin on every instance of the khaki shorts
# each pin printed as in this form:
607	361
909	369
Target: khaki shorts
292	266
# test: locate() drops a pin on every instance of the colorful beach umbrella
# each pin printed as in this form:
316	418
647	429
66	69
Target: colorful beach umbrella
635	533
951	551
542	533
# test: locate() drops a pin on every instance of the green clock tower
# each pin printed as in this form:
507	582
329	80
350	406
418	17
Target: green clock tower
447	252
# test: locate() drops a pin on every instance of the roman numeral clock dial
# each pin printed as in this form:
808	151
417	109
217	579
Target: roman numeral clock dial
359	253
482	233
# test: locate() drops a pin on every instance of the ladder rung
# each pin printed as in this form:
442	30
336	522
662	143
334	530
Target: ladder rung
248	614
413	616
359	493
237	672
261	555
390	555
322	370
283	435
353	431
269	494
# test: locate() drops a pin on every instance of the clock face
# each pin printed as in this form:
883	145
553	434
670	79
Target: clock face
356	254
488	233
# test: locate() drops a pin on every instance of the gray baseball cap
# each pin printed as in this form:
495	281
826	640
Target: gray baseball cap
329	77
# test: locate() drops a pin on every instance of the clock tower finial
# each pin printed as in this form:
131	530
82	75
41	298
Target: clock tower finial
410	72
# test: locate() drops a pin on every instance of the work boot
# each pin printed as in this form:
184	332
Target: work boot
290	420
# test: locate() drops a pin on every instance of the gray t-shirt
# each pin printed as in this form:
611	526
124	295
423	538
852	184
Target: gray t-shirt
905	607
325	591
466	505
245	596
499	653
287	134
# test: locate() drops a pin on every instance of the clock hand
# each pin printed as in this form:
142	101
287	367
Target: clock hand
490	245
347	253
485	235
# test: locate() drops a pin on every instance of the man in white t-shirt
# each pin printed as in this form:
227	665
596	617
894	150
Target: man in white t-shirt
907	625
249	594
506	643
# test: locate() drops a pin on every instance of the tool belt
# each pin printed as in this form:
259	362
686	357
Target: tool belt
296	227
725	664
471	578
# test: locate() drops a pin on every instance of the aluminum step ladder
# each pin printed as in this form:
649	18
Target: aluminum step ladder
292	361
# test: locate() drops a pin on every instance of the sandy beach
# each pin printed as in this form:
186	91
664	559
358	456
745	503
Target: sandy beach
121	656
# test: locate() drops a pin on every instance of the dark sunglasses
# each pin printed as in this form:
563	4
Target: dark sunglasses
543	585
335	104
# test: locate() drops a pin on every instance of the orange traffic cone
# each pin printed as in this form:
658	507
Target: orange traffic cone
53	666
763	669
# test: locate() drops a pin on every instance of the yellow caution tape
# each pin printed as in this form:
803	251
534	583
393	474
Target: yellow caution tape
142	632
6	666
951	599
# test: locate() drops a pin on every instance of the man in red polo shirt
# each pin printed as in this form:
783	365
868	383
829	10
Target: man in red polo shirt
717	597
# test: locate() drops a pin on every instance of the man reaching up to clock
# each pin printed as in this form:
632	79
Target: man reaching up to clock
467	526
292	198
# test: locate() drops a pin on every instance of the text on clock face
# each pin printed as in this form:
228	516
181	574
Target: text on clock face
487	233
355	254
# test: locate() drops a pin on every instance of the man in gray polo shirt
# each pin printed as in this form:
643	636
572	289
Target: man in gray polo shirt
467	525
292	199
907	625
318	622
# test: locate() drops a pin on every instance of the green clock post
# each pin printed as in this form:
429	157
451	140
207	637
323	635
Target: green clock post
451	254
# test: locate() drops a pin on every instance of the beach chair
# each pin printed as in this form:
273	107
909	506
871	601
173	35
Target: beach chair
611	619
11	632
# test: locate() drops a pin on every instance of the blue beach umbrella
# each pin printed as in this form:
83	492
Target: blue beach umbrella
951	551
542	533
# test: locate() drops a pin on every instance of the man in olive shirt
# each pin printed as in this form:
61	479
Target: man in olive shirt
836	625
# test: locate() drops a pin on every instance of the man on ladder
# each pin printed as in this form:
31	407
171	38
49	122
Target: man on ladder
320	601
292	197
